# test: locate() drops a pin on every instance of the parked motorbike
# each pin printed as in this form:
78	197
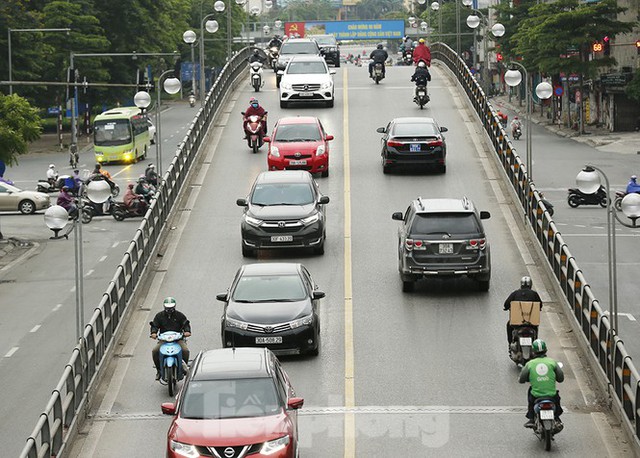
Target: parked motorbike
545	424
45	185
421	96
98	209
192	100
254	131
517	133
378	72
171	370
577	198
120	211
521	340
255	76
273	56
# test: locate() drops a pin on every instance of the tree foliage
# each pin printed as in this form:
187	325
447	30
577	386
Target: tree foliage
633	88
376	9
316	10
19	125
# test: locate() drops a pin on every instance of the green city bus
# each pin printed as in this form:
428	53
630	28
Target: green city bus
121	134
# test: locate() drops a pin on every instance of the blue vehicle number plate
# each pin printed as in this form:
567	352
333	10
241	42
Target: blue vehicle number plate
414	147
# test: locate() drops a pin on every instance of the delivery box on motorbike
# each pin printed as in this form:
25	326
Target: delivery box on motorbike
524	312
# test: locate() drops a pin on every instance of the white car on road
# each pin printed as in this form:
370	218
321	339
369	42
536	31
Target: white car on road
306	79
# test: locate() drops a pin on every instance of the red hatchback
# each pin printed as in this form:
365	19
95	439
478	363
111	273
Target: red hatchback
236	402
299	143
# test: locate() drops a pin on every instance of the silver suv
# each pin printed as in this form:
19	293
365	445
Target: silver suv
442	237
294	47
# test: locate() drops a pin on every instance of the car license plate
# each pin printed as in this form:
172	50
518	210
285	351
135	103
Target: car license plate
546	415
445	248
269	340
525	341
414	147
305	94
282	238
298	162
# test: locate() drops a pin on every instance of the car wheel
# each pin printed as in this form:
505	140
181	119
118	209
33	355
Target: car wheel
319	249
248	252
325	173
330	103
283	104
483	285
338	63
27	207
277	81
407	286
443	168
316	351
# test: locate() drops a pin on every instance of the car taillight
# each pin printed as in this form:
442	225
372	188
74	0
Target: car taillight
475	244
408	244
394	143
435	143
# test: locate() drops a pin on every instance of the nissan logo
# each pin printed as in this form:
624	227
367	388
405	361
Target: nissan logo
281	224
268	329
229	452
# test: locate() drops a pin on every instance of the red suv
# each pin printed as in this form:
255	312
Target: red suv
299	143
236	402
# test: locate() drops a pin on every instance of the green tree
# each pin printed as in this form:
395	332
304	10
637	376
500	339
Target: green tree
19	125
310	10
376	9
633	88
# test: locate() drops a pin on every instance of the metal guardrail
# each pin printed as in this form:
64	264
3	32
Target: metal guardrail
606	347
60	417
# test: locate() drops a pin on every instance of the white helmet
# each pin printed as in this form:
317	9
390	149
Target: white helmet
422	64
52	166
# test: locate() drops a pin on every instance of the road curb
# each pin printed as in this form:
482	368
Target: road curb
13	251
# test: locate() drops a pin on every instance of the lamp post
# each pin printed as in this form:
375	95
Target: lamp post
212	26
9	32
142	100
190	38
56	218
435	6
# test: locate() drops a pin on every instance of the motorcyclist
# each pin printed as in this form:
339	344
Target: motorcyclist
515	124
275	42
151	175
407	44
503	118
52	175
99	173
378	55
422	52
67	201
524	294
542	373
256	57
422	75
633	186
169	319
144	189
132	200
256	110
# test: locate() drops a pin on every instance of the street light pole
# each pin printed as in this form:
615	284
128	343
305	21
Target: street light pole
212	27
9	31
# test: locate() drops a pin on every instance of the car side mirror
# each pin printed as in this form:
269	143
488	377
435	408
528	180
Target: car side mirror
444	129
318	294
222	297
397	216
328	137
266	139
295	403
332	72
381	130
168	408
242	203
485	215
324	200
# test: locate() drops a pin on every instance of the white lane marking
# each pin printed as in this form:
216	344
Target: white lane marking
102	258
89	272
35	328
10	353
57	307
598	227
115	244
124	169
579	225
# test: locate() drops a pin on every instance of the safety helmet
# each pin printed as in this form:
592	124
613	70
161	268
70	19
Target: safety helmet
421	40
539	347
98	165
254	102
633	177
52	166
380	46
525	282
515	117
256	52
422	64
169	304
152	166
65	188
130	185
142	178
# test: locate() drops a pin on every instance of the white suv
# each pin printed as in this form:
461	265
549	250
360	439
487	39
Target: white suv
307	79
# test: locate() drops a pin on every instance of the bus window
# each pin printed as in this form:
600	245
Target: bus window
112	133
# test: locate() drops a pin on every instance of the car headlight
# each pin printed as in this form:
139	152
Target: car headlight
286	86
304	321
274	446
320	151
326	85
275	152
231	323
253	221
310	219
184	449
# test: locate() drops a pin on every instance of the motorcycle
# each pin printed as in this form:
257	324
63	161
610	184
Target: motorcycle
120	211
617	202
171	364
378	72
254	132
517	133
407	57
577	198
273	57
46	186
192	100
545	424
98	209
421	96
521	340
255	73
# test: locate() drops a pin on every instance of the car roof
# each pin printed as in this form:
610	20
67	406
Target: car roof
444	205
298	40
413	119
271	268
284	176
233	363
297	120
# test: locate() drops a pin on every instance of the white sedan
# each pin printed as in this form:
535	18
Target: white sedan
306	79
27	202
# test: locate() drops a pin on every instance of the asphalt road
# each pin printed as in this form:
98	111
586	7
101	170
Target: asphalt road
398	374
37	295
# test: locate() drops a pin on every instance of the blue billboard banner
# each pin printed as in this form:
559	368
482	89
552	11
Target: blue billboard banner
357	30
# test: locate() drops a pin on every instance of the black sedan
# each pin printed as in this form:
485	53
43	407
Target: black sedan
414	141
273	305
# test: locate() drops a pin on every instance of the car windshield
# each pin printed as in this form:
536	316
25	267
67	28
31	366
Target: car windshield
269	288
112	132
6	187
297	133
220	399
329	40
303	68
304	47
415	129
445	223
282	194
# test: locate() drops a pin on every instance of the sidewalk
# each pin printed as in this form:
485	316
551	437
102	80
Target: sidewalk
597	137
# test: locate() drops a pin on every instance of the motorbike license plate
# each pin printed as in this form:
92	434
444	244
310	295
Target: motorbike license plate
525	341
445	248
422	94
305	94
282	238
269	340
546	415
298	162
414	147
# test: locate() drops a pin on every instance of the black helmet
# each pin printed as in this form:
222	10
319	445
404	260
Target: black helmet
525	282
380	46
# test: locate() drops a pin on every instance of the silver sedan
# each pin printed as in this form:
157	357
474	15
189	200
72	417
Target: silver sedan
27	202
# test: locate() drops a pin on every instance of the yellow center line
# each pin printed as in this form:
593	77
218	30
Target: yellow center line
349	391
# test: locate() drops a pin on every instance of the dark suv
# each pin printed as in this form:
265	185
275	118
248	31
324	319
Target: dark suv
442	237
291	48
329	48
284	209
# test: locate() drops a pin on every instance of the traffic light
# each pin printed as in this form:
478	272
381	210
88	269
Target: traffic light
596	47
638	46
606	50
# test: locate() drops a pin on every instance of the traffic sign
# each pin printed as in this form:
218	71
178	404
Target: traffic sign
558	91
